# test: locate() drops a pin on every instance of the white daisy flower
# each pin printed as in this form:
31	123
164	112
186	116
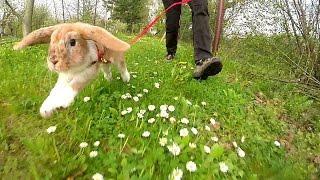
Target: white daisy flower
207	149
139	95
194	131
135	98
151	107
121	136
174	149
235	145
176	174
86	99
189	102
151	120
157	85
172	120
140	115
128	95
129	109
83	145
191	166
163	141
124	97
277	143
242	139
93	154
207	128
124	112
163	107
184	132
223	167
145	90
192	145
184	121
164	114
97	176
203	103
146	134
171	108
215	138
96	144
142	111
51	129
240	152
176	98
212	121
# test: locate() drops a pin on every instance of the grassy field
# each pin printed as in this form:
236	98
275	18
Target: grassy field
248	107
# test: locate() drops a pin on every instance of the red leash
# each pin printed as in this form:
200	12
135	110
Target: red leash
155	20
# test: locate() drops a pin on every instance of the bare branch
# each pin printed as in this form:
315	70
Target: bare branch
14	12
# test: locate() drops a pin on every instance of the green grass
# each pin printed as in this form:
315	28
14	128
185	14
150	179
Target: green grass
241	99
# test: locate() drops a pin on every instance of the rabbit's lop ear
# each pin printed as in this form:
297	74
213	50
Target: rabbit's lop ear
36	37
102	37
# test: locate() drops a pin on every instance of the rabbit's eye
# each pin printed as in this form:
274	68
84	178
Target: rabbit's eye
72	42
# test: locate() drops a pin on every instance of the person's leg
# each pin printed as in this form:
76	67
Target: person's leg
172	27
206	65
202	37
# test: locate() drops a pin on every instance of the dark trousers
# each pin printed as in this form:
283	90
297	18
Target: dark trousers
202	38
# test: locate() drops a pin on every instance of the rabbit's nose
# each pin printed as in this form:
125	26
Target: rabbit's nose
54	62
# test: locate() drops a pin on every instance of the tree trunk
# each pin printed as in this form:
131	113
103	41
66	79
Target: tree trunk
317	65
55	11
63	16
78	10
95	13
2	24
293	26
83	10
27	17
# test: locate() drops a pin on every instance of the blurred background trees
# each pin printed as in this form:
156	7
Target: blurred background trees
133	13
300	21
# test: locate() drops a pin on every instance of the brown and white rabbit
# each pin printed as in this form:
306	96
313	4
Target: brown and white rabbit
76	53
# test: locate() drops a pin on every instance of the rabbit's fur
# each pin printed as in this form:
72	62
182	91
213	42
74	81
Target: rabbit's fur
76	53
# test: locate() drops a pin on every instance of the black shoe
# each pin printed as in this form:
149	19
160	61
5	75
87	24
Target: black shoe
207	67
170	57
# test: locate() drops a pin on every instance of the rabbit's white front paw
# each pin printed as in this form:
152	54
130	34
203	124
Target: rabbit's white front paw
58	98
125	76
107	76
46	110
106	68
53	103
